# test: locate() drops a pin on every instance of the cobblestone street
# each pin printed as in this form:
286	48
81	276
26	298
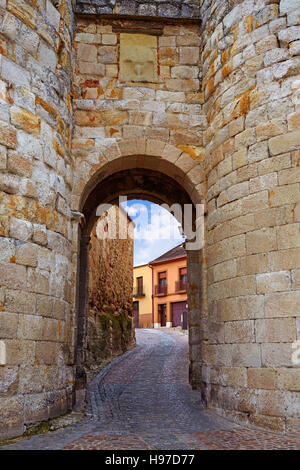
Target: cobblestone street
143	401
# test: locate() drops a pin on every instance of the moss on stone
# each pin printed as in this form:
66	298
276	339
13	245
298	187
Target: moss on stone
110	334
41	428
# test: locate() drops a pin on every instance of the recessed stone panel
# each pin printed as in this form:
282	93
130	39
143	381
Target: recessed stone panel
138	58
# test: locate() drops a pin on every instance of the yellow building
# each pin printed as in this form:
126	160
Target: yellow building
142	296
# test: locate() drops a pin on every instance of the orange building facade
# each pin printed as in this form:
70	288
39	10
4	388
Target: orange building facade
169	284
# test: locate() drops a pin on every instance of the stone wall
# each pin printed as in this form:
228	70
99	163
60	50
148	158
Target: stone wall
251	64
210	113
35	227
110	325
172	9
164	108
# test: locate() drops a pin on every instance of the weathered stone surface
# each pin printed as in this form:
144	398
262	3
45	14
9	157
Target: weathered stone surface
23	119
12	423
9	325
213	105
276	330
138	58
13	276
20	229
262	378
20	301
110	297
158	8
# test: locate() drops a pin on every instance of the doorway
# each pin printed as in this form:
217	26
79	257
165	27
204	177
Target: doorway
162	311
136	183
177	309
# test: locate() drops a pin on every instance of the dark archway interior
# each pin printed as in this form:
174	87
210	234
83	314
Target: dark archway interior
136	183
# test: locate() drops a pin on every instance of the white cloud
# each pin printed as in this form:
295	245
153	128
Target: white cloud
146	251
135	209
154	222
156	232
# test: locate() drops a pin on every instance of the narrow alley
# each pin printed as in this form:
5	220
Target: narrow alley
142	400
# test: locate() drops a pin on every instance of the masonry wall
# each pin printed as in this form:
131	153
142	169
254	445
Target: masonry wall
251	64
173	9
113	115
218	112
110	325
35	227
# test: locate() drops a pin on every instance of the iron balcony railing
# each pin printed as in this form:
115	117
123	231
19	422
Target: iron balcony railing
138	292
180	286
161	290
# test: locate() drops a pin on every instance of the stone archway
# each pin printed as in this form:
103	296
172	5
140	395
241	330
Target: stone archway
220	109
157	180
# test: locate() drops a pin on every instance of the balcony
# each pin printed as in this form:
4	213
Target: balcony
180	286
161	290
138	292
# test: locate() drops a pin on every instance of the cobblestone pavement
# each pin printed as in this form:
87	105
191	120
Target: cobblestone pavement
142	400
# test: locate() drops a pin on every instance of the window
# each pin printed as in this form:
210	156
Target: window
140	286
182	276
182	283
162	283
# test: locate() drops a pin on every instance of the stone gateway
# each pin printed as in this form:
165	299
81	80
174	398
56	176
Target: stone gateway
183	102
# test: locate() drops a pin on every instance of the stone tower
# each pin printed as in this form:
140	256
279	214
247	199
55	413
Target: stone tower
189	102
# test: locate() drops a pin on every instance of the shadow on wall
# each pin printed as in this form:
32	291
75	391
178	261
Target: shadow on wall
110	329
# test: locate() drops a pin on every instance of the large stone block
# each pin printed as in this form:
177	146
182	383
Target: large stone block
253	264
13	276
24	119
259	241
273	282
287	6
289	379
240	308
38	280
20	301
36	408
31	379
276	330
276	355
19	165
12	419
8	380
15	74
246	355
282	304
30	327
264	378
20	229
284	259
272	402
8	325
240	332
26	254
47	352
19	351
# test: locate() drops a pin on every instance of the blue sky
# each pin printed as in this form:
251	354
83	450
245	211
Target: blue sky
156	232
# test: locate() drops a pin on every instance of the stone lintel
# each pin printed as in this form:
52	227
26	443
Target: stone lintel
174	10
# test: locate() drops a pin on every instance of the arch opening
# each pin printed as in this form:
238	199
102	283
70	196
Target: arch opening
159	185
